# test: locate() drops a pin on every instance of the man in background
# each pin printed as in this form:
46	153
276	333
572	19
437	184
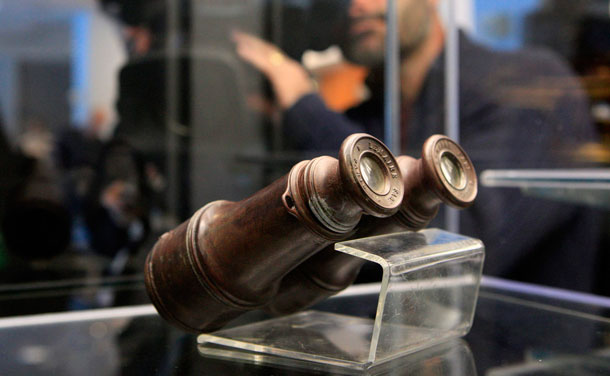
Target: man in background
508	116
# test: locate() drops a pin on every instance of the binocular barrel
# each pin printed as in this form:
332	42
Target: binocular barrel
273	250
231	257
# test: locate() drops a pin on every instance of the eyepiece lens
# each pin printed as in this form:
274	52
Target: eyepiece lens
452	171
373	174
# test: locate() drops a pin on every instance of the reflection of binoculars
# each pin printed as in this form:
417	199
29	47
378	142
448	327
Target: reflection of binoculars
231	257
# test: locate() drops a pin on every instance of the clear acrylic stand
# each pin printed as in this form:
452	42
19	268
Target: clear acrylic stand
428	295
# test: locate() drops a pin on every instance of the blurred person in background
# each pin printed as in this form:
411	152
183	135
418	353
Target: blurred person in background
509	119
35	223
105	188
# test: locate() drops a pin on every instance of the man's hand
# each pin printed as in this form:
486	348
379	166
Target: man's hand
289	79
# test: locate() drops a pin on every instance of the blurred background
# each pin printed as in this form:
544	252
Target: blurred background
120	118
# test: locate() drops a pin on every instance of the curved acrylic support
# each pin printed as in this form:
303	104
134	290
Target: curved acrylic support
428	295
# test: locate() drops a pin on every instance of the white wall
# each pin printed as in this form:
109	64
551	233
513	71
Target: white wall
43	30
107	55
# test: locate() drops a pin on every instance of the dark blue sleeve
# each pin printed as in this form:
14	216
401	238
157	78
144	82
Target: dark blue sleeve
310	125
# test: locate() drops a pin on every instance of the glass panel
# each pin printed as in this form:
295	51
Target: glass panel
120	118
71	203
532	94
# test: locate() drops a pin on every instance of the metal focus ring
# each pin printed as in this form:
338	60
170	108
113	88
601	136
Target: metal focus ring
317	205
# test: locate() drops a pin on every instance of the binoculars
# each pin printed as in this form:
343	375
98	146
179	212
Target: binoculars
273	250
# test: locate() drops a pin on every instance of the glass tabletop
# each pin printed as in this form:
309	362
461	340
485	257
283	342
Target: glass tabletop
519	329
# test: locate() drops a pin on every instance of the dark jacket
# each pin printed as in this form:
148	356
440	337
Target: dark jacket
517	110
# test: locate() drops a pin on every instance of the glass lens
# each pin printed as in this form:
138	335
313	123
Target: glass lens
373	175
452	171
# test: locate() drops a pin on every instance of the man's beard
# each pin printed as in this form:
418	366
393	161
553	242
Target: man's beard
355	50
368	57
416	28
411	38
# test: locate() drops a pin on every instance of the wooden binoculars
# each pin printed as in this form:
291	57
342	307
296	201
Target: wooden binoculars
273	250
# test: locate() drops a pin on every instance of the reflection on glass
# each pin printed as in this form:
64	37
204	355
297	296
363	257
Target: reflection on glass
90	96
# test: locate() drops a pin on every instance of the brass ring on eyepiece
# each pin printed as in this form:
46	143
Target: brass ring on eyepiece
455	175
369	165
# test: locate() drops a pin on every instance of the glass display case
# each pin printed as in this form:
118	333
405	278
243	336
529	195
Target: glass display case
120	118
130	115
